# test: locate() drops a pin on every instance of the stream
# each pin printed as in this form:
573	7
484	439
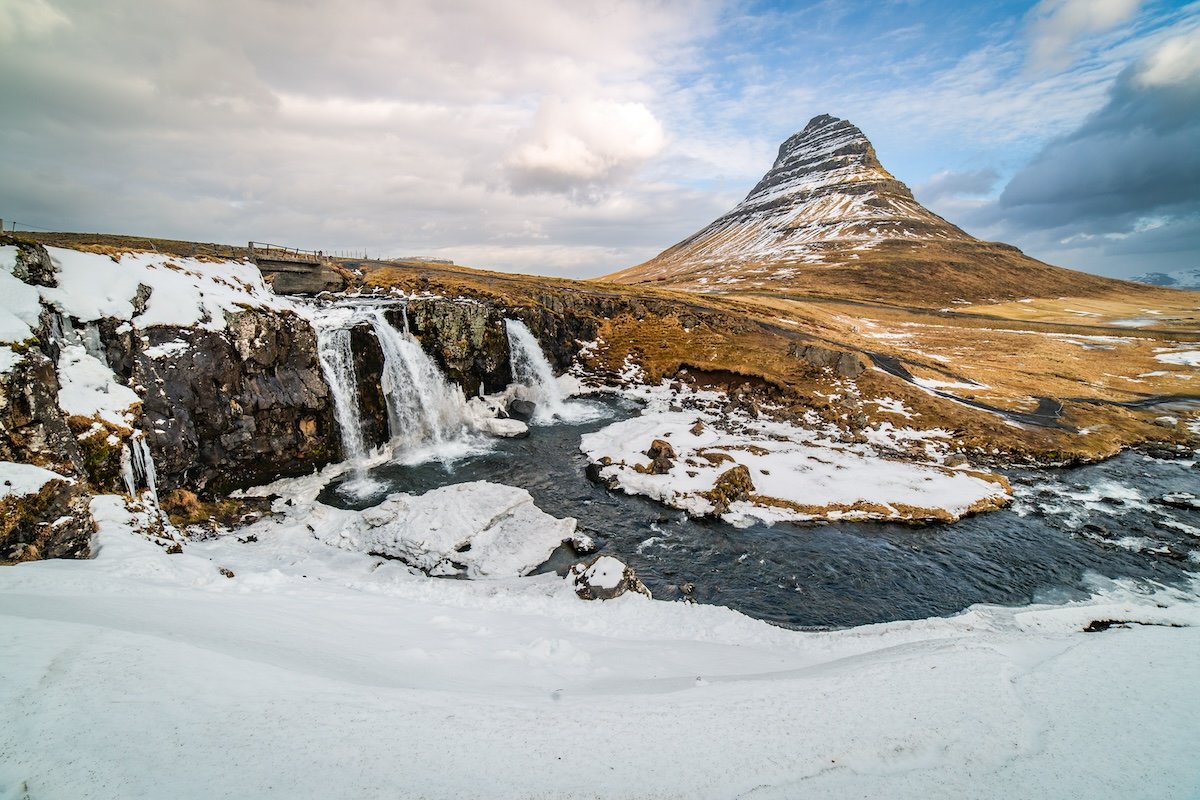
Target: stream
1067	530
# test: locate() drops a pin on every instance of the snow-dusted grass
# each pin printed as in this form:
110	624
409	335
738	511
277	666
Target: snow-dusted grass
318	672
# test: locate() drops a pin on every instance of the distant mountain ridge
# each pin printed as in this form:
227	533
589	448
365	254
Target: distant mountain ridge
828	218
1180	279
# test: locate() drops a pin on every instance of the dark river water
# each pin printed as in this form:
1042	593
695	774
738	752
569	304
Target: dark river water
1066	527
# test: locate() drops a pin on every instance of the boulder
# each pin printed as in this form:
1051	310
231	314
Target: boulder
604	578
662	457
522	409
844	363
732	486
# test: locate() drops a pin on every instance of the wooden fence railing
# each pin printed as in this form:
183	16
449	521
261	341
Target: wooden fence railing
278	252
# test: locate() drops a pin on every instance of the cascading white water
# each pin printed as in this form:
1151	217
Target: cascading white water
337	365
423	408
531	370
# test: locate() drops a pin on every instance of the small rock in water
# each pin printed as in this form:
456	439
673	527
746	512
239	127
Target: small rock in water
604	578
1180	500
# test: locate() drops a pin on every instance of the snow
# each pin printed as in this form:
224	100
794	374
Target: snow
317	672
166	349
19	302
476	529
9	358
184	292
933	383
892	405
605	573
18	480
90	389
1187	358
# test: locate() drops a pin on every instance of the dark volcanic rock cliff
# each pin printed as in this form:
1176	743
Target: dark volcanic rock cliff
238	407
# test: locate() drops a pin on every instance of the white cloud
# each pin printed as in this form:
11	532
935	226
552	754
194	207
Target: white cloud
31	19
1056	26
1173	62
582	144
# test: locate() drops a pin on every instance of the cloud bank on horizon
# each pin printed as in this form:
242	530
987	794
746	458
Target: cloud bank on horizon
578	141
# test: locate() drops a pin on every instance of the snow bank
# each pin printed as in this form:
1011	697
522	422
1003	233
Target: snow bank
19	302
17	480
477	529
183	292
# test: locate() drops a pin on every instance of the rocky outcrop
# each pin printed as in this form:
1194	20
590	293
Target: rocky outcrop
368	367
466	339
843	362
234	408
51	523
33	429
733	485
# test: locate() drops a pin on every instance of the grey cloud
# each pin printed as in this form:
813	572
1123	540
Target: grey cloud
1134	158
957	184
1121	193
378	125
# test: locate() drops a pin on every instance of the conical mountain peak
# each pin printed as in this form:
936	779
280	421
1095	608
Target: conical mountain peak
827	207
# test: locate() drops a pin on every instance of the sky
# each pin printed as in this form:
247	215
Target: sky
576	139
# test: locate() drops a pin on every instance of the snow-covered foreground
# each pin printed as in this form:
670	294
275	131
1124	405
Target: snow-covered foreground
322	672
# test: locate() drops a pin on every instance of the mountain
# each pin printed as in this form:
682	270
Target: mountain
1181	279
829	219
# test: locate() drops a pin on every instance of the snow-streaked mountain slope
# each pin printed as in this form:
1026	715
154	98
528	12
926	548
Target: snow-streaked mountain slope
1180	279
828	218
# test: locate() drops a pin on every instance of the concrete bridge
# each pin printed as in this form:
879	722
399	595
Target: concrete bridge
291	270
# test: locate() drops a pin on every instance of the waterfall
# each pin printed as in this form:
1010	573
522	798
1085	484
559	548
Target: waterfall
137	466
531	370
337	365
423	408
